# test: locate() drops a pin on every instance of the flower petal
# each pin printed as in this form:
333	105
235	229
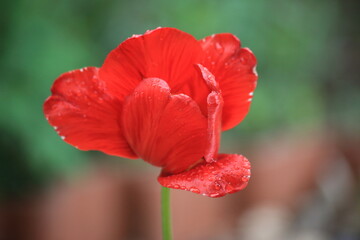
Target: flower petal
165	53
214	110
234	69
85	115
229	174
166	130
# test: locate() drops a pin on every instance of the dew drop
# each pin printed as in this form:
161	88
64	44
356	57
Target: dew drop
245	178
254	71
194	190
229	188
62	137
214	194
217	186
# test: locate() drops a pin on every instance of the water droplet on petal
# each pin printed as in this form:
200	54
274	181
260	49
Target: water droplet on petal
254	71
217	186
229	188
214	195
194	190
245	178
247	172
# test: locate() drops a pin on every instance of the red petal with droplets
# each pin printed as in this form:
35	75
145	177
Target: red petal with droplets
85	115
166	130
234	69
229	174
165	53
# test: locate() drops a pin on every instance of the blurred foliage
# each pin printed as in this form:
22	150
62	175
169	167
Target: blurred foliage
296	42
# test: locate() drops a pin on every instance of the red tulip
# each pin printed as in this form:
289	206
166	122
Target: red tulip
164	97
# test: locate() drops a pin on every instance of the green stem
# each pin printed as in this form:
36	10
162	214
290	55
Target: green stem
165	212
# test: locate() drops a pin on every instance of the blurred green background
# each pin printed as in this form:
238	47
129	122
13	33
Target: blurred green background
307	55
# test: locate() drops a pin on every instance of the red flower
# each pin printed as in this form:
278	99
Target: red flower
165	97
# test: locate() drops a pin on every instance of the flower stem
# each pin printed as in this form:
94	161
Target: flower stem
165	212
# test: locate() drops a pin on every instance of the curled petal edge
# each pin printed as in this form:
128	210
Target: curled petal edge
215	105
